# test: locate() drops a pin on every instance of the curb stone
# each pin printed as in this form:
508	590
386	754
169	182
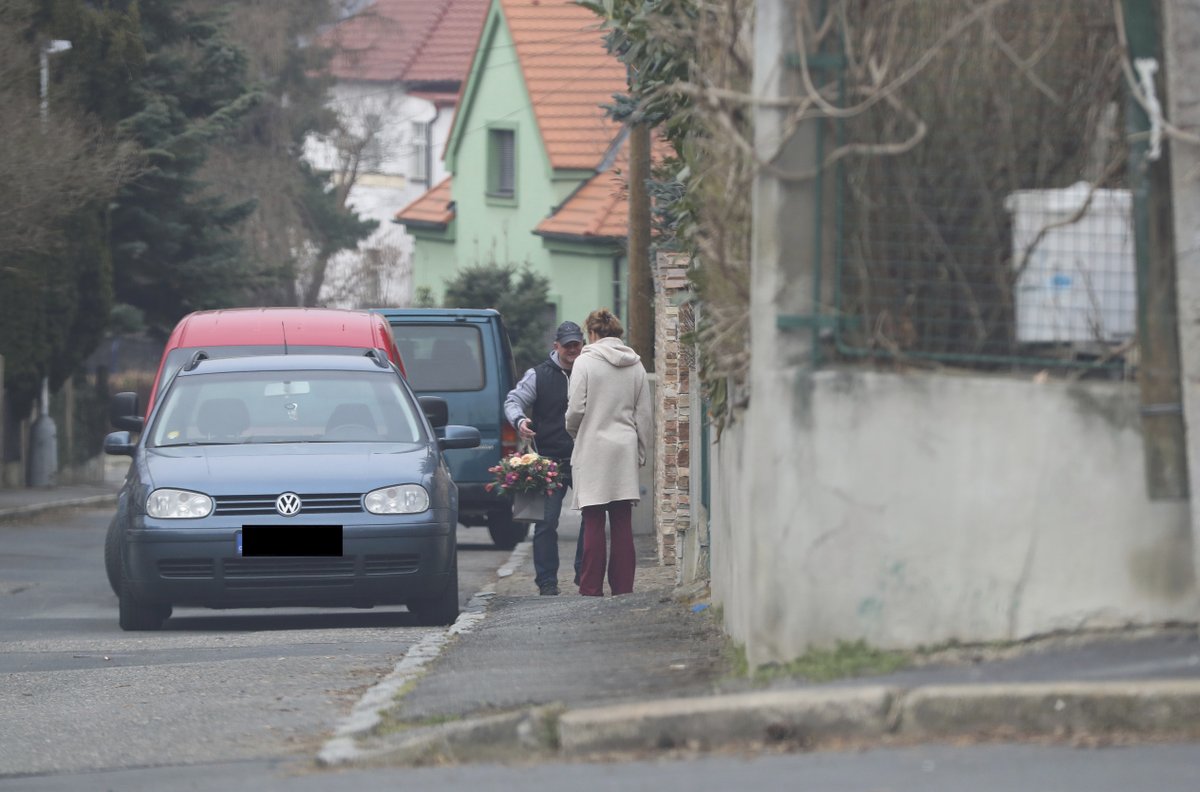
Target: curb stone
493	738
1158	708
858	715
1162	707
810	715
38	508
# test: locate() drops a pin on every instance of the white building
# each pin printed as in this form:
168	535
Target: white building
399	65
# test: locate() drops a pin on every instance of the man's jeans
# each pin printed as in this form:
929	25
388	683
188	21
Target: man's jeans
545	540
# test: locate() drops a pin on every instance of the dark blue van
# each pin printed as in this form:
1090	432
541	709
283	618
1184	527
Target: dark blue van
463	355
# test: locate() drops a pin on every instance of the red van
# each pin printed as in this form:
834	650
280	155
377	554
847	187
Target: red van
238	332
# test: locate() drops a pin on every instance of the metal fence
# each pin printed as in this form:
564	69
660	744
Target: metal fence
984	212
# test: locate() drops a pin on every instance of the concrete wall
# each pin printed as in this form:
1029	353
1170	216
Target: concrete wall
919	509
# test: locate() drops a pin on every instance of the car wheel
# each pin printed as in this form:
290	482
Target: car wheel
441	610
112	556
137	613
506	533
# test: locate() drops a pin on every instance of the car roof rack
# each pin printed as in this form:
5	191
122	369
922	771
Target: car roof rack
195	359
377	356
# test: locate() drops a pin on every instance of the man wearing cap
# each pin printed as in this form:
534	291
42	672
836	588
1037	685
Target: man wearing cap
537	410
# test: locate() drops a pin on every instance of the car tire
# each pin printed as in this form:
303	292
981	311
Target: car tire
506	533
136	613
112	556
441	610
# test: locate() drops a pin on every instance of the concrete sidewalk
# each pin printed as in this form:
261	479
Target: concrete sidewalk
576	677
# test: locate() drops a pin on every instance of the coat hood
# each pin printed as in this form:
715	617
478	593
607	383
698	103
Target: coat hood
612	351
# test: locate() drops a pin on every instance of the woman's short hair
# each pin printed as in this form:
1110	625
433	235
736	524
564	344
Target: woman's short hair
604	324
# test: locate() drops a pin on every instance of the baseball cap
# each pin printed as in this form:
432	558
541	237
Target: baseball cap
568	332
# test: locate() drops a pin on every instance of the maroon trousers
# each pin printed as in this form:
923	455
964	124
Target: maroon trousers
623	561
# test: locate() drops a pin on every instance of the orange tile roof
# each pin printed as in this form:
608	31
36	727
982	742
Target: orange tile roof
598	209
448	49
410	40
569	75
434	208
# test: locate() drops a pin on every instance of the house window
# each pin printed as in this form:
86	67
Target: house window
502	172
372	158
420	152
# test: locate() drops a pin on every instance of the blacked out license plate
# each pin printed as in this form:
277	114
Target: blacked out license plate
290	540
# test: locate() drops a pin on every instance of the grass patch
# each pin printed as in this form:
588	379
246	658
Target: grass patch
848	659
389	724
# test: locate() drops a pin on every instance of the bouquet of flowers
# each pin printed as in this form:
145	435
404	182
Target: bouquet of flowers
525	473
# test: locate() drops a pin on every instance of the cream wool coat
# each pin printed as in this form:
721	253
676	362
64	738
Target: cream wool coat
608	414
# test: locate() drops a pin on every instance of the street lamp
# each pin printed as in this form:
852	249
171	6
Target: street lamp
43	435
49	48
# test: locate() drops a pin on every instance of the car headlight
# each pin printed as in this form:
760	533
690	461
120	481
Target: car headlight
174	504
399	499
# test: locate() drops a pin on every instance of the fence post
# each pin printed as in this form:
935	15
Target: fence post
1158	369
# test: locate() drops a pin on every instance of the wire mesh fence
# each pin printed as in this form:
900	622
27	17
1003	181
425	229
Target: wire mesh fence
982	211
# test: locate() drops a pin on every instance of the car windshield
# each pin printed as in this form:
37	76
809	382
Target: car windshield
286	407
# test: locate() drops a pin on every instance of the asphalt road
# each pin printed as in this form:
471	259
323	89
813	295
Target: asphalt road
78	695
935	768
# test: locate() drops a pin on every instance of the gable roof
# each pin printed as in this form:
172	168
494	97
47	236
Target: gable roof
449	47
569	75
406	40
434	209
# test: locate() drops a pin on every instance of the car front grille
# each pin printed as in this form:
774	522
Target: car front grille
266	572
239	505
186	568
254	572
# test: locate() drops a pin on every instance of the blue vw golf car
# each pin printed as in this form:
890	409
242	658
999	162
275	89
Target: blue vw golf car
289	480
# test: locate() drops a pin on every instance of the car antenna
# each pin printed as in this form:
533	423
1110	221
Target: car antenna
377	356
195	359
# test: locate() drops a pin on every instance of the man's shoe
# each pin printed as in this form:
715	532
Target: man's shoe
548	590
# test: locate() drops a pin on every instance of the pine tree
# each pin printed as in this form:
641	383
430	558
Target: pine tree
521	297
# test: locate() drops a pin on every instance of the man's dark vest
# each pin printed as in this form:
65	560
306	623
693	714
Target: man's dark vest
550	411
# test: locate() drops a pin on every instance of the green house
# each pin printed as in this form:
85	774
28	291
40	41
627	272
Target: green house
534	163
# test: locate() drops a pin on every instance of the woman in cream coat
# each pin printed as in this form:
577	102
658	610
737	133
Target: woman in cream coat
608	414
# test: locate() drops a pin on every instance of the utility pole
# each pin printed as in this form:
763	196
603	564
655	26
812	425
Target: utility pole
43	435
641	278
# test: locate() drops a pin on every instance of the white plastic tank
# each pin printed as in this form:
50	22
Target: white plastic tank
1078	284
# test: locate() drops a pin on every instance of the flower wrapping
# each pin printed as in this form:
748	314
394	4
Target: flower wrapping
525	473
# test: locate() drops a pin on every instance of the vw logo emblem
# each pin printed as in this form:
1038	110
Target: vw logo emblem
287	504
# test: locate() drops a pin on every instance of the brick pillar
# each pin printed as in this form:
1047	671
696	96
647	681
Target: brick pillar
672	508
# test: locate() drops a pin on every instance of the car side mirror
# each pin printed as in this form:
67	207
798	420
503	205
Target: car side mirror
123	411
118	444
459	437
435	409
